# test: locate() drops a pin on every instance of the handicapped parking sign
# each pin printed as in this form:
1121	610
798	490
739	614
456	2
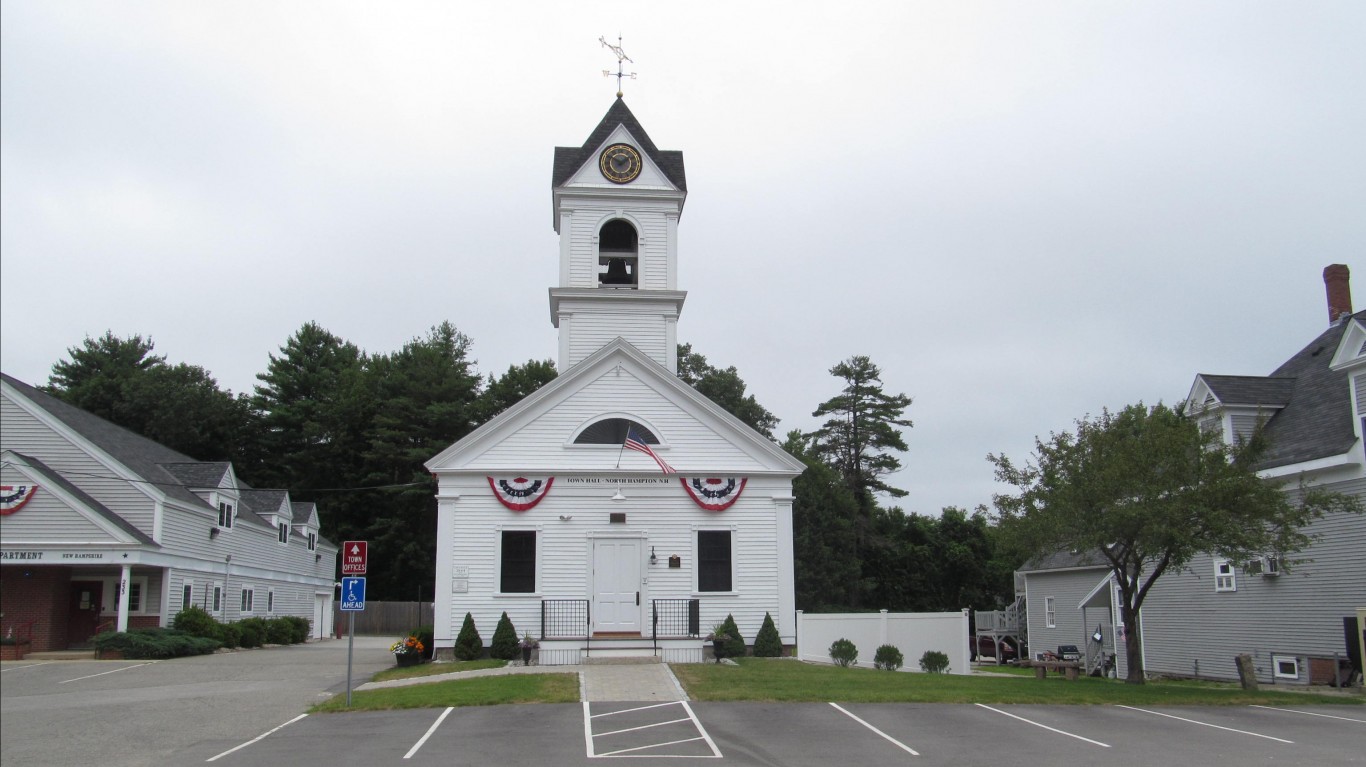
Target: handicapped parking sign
353	594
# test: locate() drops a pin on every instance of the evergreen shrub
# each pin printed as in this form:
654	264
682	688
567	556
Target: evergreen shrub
300	629
887	658
934	662
468	644
504	643
195	621
767	643
844	653
735	644
154	643
278	631
253	632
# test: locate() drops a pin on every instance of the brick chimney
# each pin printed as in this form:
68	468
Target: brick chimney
1337	280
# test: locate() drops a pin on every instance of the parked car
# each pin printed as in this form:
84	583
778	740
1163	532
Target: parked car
986	648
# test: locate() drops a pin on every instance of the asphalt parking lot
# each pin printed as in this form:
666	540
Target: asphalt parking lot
246	709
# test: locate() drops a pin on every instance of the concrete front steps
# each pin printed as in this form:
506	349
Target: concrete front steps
619	650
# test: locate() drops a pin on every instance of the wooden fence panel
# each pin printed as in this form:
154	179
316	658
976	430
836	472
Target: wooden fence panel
387	618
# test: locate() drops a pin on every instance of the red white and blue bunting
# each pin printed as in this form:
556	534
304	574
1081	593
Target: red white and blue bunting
13	497
520	493
714	493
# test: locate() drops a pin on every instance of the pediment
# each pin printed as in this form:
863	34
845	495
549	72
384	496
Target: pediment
1351	351
58	512
588	175
696	436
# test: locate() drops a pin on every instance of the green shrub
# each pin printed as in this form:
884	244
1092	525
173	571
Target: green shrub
735	646
229	635
767	643
253	632
887	658
300	629
195	621
844	653
425	635
504	644
468	644
155	643
934	662
279	631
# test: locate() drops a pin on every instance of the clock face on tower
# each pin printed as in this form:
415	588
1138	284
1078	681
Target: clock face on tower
619	163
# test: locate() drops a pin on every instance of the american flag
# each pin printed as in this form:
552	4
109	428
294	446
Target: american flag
634	442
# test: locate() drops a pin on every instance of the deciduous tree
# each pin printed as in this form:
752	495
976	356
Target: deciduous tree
725	388
1146	489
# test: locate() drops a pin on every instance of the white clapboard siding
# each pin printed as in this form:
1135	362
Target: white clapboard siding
650	222
47	518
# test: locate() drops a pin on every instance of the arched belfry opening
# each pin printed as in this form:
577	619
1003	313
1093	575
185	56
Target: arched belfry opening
618	255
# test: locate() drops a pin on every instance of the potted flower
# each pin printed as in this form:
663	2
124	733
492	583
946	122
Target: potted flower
718	638
408	651
527	644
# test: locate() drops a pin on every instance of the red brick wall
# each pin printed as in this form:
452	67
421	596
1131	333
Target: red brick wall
38	594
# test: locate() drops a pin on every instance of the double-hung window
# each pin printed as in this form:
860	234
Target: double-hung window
518	571
186	596
715	561
225	513
1224	577
284	532
1050	613
248	596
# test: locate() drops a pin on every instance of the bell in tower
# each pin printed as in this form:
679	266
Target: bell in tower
618	251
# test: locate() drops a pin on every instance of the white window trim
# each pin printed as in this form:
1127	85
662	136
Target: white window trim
247	603
312	541
282	532
498	570
1225	581
186	595
1050	613
697	560
222	522
1277	660
270	602
216	603
110	595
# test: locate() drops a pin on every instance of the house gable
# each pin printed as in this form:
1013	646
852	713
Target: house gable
619	381
59	512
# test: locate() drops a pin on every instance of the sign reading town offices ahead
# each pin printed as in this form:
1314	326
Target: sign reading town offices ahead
355	555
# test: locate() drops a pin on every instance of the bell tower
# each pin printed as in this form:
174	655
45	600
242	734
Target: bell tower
617	200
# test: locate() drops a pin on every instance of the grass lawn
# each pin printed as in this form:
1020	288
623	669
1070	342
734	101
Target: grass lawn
430	669
479	691
791	681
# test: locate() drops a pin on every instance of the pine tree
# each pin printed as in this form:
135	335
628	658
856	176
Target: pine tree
767	643
468	645
504	643
735	645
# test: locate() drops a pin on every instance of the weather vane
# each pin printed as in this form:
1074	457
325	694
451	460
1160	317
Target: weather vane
621	57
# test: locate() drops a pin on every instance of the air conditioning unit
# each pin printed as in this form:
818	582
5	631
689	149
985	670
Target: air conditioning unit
1271	566
1254	567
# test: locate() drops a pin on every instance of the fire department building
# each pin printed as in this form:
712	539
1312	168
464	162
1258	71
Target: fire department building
102	529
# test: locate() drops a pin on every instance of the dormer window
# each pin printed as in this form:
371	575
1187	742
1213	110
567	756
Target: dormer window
225	514
312	541
283	528
618	255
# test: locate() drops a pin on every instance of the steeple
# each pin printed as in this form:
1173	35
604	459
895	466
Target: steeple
617	200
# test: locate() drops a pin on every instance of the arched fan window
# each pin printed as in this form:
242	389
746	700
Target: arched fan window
612	431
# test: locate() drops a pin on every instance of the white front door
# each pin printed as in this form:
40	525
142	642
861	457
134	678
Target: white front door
616	585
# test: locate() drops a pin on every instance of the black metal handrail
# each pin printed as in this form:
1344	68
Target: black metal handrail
565	619
674	618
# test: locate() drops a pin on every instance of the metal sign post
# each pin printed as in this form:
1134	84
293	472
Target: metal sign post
352	602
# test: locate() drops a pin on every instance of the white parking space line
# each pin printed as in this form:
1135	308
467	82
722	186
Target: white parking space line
1046	727
27	665
1310	713
889	738
591	748
429	732
262	736
1207	724
102	673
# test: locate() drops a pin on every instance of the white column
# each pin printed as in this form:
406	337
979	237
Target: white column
125	579
787	597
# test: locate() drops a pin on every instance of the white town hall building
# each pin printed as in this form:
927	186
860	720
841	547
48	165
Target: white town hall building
545	515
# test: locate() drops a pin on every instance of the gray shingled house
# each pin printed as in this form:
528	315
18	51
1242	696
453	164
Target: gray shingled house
1294	622
101	529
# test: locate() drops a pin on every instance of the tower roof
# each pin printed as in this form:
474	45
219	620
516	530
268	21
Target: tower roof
570	159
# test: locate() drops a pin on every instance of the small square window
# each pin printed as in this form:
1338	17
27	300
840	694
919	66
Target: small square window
1224	577
1287	666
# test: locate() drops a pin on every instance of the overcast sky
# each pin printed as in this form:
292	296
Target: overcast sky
1022	212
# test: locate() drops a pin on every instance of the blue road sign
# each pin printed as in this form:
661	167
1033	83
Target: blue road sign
353	594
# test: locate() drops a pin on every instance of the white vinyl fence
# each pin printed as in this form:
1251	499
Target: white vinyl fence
911	633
